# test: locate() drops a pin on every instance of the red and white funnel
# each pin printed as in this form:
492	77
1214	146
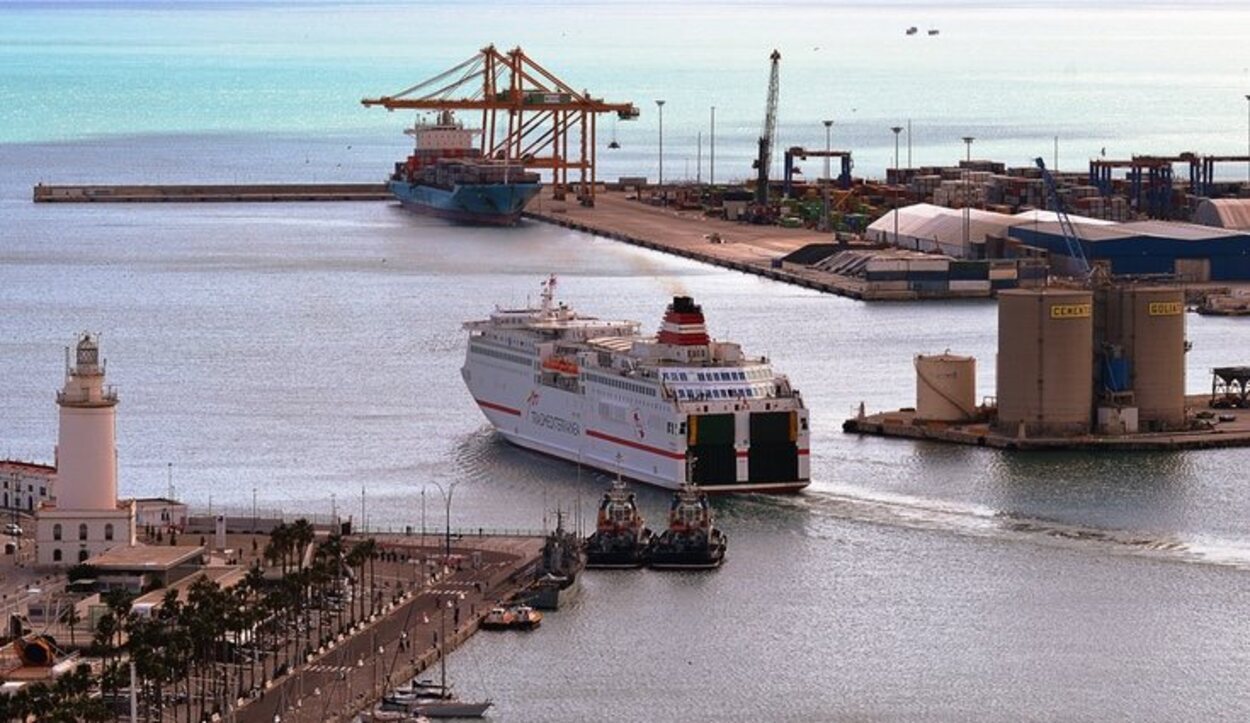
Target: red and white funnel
683	324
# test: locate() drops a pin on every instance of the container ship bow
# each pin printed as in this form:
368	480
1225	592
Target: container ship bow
668	409
446	176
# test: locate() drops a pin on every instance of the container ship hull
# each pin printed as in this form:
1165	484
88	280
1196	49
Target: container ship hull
494	204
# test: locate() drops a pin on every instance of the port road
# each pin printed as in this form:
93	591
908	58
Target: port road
403	639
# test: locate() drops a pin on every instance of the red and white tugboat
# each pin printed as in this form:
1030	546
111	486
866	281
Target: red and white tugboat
691	540
621	535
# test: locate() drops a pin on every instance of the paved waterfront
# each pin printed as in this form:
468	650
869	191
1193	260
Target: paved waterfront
403	640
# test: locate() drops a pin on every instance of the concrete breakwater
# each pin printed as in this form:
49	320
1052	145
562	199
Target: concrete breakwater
202	193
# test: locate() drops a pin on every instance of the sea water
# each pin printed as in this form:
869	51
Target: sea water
309	353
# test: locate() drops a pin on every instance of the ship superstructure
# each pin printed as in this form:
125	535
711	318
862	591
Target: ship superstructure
666	410
447	176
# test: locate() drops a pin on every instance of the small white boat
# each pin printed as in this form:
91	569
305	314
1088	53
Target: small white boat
451	709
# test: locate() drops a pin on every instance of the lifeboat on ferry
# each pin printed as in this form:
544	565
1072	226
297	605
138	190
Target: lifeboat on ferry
560	365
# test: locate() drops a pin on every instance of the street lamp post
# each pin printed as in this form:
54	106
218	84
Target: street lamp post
253	510
897	130
447	493
711	170
967	199
660	104
828	149
1248	137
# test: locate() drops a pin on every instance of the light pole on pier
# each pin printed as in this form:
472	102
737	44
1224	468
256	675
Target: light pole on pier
967	195
711	169
660	105
1248	136
897	130
447	493
828	148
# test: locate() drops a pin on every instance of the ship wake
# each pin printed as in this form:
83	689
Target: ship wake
984	522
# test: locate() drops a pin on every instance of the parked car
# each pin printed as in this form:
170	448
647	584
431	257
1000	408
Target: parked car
13	529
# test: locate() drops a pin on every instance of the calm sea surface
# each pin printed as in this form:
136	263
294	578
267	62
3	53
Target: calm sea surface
310	350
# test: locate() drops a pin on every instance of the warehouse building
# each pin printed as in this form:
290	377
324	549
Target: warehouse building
937	229
1230	213
1193	252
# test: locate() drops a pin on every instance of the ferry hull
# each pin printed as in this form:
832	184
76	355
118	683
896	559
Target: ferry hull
558	424
493	204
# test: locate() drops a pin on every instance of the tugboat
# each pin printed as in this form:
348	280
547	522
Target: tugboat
517	617
621	536
691	541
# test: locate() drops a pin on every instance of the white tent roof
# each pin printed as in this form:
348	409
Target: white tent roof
940	224
1224	213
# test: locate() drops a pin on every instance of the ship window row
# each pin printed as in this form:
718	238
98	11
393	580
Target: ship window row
622	384
754	392
720	376
501	355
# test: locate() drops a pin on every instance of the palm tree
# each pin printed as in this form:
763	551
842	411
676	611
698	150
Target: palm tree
302	534
355	560
71	618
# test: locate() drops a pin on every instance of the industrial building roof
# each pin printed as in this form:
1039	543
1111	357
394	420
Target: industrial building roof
1170	230
1233	213
945	226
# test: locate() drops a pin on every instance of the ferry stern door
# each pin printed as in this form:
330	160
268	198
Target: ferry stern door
710	456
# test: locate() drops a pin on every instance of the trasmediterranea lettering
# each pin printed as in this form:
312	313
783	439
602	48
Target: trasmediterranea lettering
554	423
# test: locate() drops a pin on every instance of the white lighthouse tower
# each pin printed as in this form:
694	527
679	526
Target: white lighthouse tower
86	518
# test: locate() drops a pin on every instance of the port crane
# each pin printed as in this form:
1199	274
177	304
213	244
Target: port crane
528	114
769	132
794	153
1075	250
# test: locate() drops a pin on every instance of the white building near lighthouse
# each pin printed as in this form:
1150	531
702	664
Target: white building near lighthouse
86	517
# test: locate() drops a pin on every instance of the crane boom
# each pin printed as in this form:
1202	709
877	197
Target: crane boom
1075	250
769	132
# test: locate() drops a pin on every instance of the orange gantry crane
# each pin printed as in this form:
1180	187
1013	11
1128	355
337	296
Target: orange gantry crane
528	114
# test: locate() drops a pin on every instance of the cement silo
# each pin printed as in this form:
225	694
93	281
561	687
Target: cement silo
1146	325
1045	361
946	388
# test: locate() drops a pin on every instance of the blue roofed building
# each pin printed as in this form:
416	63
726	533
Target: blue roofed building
1193	252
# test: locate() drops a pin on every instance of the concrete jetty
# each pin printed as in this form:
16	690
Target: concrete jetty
743	247
205	193
903	423
402	641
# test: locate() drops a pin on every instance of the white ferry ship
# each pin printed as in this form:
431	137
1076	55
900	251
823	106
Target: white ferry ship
677	407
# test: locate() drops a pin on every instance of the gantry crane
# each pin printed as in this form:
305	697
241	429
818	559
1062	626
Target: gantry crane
765	157
528	114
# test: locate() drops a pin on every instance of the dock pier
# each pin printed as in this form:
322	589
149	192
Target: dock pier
747	248
1235	432
401	641
210	193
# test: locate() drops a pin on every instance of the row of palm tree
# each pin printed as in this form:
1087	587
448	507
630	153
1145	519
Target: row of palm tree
197	654
69	698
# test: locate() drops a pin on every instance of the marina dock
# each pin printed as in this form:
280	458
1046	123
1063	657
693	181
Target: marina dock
397	644
208	193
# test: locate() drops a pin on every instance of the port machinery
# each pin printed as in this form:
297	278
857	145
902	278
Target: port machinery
528	114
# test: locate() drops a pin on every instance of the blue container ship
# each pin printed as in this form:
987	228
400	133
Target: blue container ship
446	176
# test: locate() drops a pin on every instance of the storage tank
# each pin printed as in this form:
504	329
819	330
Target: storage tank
1148	324
946	387
1045	361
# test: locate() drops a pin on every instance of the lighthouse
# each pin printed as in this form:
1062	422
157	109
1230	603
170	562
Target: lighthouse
86	449
85	518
